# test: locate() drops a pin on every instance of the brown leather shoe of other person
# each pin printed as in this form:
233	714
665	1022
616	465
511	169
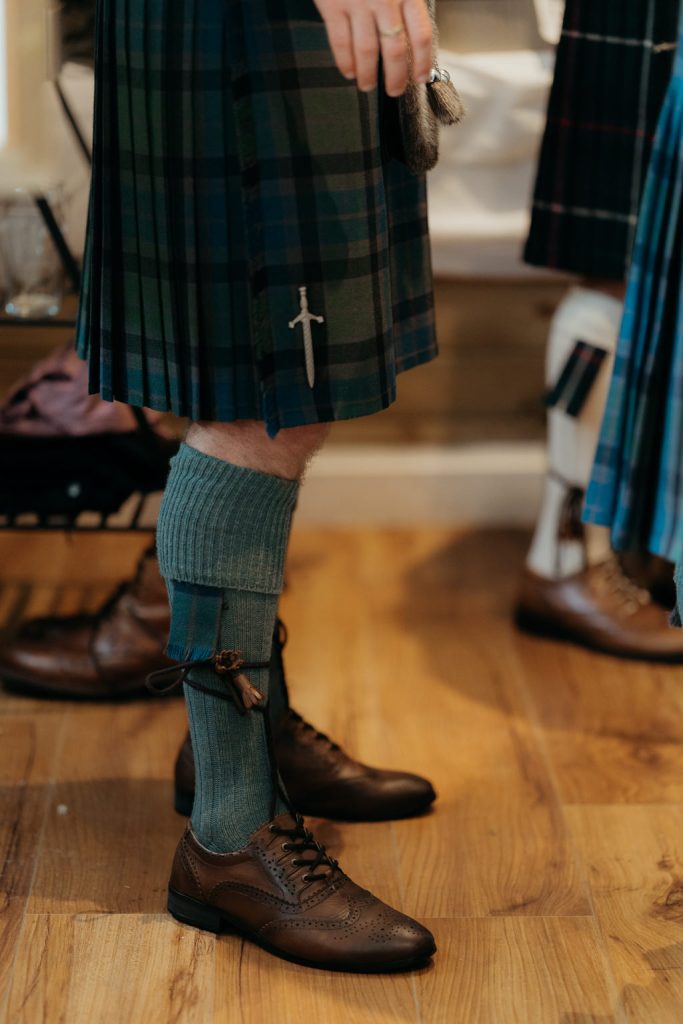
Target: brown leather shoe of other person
600	608
94	657
322	781
284	893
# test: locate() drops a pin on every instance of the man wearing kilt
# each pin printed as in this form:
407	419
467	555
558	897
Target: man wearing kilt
257	262
614	64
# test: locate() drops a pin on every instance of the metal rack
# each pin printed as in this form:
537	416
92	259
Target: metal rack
137	514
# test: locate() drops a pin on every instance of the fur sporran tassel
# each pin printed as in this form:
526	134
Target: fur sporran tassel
423	108
444	98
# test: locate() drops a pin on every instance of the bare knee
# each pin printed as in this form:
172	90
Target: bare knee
245	443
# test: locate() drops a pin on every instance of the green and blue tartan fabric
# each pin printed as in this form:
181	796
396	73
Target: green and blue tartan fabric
637	482
614	64
195	620
234	165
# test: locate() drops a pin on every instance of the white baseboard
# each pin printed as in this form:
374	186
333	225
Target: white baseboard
483	484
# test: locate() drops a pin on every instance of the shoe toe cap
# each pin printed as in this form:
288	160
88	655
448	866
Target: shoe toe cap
395	938
415	940
409	787
387	794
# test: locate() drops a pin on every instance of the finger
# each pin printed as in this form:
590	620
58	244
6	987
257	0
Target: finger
419	28
365	48
341	42
394	48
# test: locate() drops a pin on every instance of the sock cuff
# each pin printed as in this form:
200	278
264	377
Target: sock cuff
222	525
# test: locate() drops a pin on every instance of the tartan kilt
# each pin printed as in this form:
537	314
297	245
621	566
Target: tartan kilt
613	67
637	483
233	166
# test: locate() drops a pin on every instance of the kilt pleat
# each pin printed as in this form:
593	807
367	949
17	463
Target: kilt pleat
233	165
637	483
613	67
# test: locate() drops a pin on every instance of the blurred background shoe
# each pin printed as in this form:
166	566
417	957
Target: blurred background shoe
573	587
602	608
103	656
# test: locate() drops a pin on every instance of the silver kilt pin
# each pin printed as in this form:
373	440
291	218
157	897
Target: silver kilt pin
304	318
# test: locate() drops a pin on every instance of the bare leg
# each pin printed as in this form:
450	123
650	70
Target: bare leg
245	443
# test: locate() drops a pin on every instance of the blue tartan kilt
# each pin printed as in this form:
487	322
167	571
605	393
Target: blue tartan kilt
637	483
233	167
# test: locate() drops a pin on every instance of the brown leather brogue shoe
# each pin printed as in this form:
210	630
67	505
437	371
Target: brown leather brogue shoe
283	892
600	608
322	781
94	657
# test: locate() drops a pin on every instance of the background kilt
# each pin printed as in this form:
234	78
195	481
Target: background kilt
613	67
637	485
233	165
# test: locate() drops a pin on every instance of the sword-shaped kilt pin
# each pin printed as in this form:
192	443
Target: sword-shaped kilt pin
304	318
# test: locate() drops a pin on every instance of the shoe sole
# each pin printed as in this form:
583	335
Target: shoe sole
187	910
183	801
539	625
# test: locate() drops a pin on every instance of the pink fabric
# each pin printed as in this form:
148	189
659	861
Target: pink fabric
53	400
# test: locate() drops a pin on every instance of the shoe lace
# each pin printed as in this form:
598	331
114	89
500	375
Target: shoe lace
614	579
229	665
320	737
281	637
609	575
300	840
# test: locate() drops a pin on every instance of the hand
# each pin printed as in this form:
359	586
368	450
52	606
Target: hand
355	29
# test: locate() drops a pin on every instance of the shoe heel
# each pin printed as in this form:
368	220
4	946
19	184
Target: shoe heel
191	911
183	801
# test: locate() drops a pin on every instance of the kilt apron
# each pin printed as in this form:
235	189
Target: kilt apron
233	167
637	483
613	67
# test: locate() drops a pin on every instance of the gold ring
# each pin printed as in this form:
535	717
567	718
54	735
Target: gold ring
391	33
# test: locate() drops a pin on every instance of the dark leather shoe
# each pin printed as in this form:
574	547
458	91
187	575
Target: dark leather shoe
600	608
94	657
284	893
322	780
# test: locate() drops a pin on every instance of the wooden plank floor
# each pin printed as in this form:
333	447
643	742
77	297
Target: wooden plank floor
551	870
